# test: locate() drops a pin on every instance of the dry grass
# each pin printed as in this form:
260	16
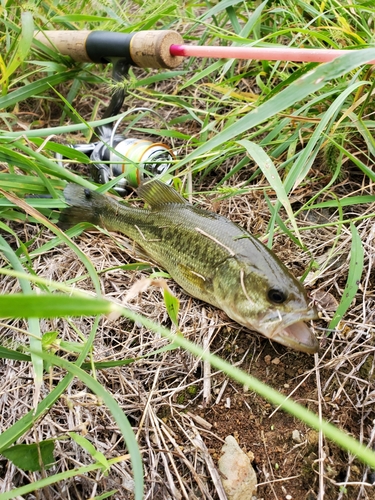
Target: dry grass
180	408
176	404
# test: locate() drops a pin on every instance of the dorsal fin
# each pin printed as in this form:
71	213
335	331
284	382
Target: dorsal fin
157	194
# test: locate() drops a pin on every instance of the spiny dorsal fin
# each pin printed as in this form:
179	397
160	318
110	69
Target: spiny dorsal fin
157	194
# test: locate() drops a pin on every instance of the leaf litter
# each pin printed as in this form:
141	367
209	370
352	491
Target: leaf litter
173	400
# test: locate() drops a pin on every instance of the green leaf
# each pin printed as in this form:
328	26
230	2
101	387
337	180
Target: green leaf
23	45
51	306
362	166
42	165
269	170
32	457
65	151
23	184
104	365
47	481
80	18
105	495
345	202
36	88
70	346
49	340
219	7
172	305
6	353
354	277
8	155
66	129
86	445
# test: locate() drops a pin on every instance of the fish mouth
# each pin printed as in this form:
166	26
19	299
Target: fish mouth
298	336
294	333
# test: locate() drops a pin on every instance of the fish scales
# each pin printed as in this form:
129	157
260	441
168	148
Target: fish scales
212	258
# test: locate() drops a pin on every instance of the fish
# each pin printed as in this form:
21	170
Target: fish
210	257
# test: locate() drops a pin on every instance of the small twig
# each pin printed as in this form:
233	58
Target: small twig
322	454
206	364
214	473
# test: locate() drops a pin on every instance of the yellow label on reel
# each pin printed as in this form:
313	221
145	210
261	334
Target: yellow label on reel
139	158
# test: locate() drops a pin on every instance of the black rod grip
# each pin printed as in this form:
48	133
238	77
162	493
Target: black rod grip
102	46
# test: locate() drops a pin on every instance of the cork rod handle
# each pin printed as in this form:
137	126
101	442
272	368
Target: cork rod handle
146	49
68	43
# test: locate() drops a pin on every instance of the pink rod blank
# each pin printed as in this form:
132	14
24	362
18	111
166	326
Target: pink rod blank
260	53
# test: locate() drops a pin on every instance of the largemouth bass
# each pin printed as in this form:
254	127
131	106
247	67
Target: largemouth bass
209	256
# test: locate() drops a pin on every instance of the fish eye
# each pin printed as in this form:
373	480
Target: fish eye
276	296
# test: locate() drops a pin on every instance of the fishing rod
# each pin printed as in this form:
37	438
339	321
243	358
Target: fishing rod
165	49
112	155
130	159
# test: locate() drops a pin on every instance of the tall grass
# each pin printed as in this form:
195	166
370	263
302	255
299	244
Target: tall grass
283	129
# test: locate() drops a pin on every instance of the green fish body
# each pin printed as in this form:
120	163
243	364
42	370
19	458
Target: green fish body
209	256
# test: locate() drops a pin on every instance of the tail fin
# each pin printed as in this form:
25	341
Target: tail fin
86	206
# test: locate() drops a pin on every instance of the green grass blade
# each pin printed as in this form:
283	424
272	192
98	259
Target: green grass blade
354	277
42	483
339	437
117	414
219	7
50	306
78	18
65	129
345	202
303	163
365	169
35	338
307	84
245	33
269	170
52	168
6	353
86	445
57	231
23	45
10	435
36	88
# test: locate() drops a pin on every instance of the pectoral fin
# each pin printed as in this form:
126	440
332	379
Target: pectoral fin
195	284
